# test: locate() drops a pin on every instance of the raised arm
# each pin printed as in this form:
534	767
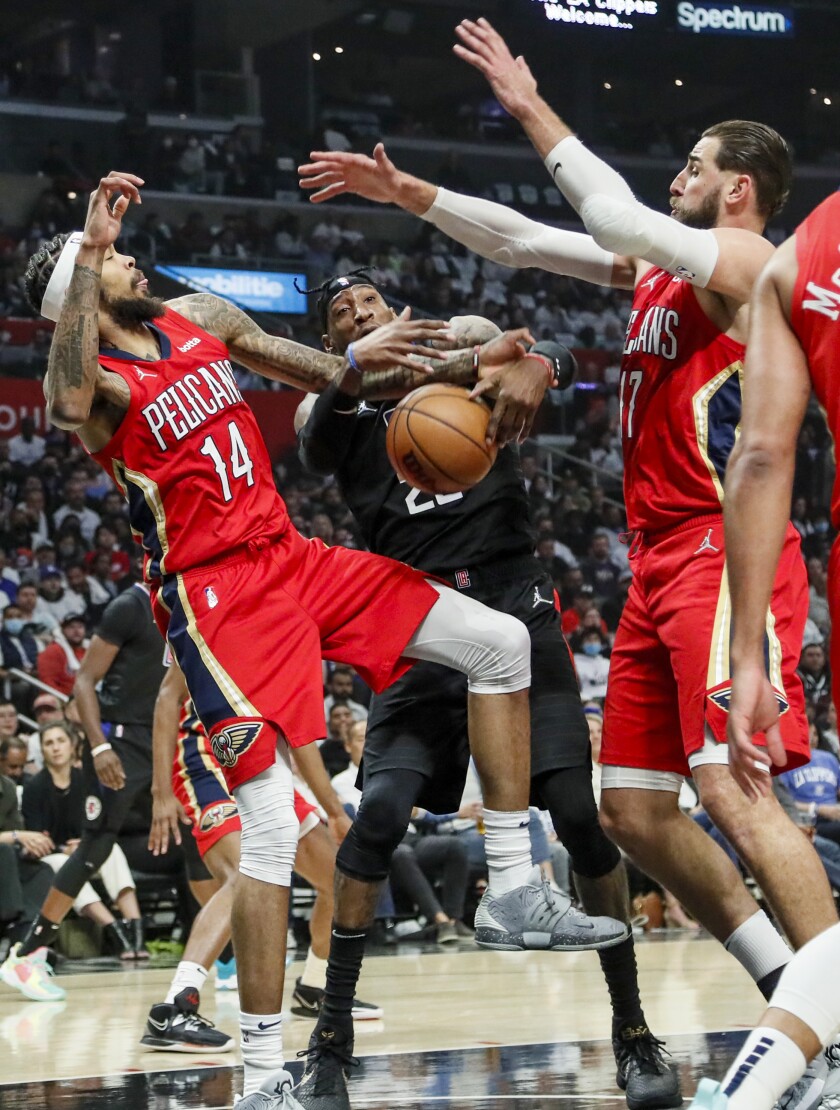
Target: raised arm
759	481
492	230
73	373
723	260
284	360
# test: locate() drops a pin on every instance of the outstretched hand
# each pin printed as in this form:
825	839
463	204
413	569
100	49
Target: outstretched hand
335	172
753	708
104	219
512	82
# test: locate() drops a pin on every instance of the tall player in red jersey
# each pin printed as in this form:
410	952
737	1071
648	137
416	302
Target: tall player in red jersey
692	274
247	604
794	346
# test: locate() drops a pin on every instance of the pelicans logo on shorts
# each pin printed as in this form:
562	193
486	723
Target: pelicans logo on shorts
229	743
214	816
722	696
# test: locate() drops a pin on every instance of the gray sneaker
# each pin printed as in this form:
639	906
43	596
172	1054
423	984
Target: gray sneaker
819	1085
274	1094
542	918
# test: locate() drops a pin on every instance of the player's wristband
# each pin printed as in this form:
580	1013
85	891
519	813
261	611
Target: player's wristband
99	749
348	354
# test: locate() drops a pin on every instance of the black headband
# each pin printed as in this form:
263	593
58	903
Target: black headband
329	290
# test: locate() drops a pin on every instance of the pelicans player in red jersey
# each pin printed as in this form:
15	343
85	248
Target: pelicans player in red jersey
692	274
247	604
794	347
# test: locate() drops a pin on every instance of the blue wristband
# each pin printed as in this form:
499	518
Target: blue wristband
350	359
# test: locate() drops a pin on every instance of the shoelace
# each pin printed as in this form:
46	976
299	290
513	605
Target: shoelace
327	1048
832	1054
549	913
646	1050
196	1021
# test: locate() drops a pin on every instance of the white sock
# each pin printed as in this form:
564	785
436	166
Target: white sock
766	1066
262	1047
508	848
758	947
810	986
187	974
314	972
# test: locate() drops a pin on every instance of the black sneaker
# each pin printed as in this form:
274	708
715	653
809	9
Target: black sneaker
648	1082
328	1060
178	1027
306	1002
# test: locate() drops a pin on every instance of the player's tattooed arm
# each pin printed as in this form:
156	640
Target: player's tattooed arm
269	355
73	365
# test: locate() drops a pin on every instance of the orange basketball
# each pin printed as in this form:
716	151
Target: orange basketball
436	436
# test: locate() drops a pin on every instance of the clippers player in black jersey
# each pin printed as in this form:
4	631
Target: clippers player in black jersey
416	751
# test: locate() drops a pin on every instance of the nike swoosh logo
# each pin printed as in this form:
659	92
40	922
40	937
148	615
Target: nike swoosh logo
268	1025
557	166
306	1005
157	1024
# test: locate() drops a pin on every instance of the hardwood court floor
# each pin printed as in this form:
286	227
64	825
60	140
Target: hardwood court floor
481	1002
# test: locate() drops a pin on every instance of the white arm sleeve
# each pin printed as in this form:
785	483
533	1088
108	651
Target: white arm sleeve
578	173
506	237
630	228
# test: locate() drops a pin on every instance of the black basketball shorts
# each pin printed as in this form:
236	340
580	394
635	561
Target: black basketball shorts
420	722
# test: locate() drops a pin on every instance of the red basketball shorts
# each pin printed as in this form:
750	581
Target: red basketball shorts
249	633
199	785
669	684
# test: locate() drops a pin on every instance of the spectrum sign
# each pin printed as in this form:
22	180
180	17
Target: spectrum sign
734	19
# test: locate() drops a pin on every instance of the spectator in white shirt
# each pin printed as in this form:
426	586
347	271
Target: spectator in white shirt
340	689
590	663
26	448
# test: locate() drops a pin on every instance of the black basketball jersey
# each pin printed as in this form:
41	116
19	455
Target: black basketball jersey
438	533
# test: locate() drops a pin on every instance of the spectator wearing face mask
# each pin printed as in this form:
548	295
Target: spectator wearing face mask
18	647
591	663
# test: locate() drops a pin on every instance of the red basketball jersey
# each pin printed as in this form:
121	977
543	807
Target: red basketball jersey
188	454
815	310
679	403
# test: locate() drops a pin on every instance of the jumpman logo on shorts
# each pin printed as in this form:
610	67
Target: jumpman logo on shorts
707	544
539	598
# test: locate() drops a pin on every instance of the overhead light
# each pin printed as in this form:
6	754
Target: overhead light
339	50
316	57
678	83
826	100
71	196
607	85
813	92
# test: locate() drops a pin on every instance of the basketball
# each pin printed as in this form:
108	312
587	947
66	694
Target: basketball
436	438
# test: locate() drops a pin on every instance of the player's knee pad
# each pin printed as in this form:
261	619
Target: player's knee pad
504	665
82	865
269	825
492	649
380	825
567	794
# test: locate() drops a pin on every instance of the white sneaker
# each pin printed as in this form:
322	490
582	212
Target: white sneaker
274	1094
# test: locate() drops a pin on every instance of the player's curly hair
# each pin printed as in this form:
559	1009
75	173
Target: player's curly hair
40	268
756	149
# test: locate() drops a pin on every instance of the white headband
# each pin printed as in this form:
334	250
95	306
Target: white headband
61	277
